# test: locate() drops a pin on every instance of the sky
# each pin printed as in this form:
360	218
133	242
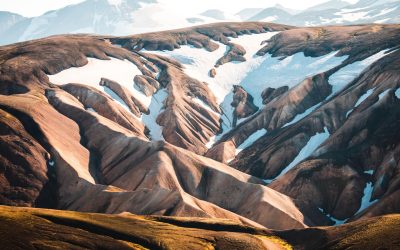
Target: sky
31	8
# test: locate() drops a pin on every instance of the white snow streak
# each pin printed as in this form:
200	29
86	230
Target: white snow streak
366	199
251	139
302	115
345	75
314	142
155	108
397	93
121	71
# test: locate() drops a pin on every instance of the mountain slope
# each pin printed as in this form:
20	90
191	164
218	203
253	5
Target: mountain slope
128	17
335	12
41	228
138	123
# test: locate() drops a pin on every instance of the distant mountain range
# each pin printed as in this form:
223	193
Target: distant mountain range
137	16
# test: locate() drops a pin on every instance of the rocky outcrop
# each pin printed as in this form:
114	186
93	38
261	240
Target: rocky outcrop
242	103
135	106
269	93
24	165
146	85
105	106
213	72
235	53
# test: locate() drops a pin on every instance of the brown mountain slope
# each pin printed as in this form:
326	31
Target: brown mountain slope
76	147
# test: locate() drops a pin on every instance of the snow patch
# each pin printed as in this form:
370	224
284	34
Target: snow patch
397	93
381	95
337	222
250	140
345	75
155	108
211	142
204	105
314	142
302	115
370	172
366	199
363	97
121	71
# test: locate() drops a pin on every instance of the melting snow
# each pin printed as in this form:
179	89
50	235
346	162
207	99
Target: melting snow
363	97
370	172
121	71
155	108
397	93
337	222
360	100
251	139
381	95
302	115
345	75
366	199
314	142
254	75
204	105
211	142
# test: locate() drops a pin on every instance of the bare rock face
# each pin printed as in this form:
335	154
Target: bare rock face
24	164
180	176
146	85
213	72
242	103
269	93
223	152
104	105
135	106
236	53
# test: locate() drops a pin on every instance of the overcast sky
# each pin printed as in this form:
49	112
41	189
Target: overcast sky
37	7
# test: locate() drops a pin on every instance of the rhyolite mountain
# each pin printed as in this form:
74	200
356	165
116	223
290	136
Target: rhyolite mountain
266	125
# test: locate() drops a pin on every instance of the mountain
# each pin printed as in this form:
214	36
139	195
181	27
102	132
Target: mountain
263	124
247	13
271	15
127	17
335	12
214	13
332	4
8	19
41	228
